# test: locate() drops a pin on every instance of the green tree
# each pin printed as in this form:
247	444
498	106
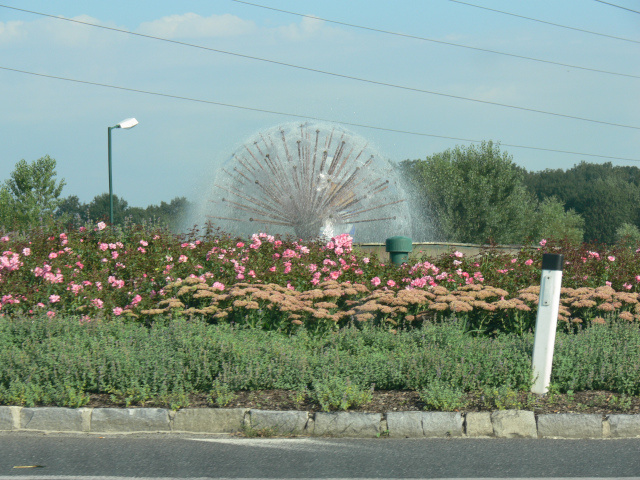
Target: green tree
628	235
31	195
475	194
70	208
551	220
99	209
605	196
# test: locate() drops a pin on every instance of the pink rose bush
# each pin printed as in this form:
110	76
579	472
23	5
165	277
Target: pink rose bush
136	274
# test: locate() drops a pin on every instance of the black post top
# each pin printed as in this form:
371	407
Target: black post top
552	261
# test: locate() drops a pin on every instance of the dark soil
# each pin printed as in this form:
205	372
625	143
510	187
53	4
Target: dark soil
600	401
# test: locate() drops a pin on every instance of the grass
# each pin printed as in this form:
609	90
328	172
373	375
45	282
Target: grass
61	361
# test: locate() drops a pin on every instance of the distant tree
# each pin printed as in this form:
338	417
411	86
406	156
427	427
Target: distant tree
628	235
475	193
99	209
551	220
71	209
31	195
604	195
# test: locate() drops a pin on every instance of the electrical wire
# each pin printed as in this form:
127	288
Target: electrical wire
617	6
339	75
545	22
442	42
306	117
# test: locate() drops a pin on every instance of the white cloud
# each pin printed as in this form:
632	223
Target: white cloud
10	31
307	27
193	25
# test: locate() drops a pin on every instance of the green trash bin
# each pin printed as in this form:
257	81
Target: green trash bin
399	248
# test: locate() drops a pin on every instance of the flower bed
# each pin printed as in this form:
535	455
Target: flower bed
276	283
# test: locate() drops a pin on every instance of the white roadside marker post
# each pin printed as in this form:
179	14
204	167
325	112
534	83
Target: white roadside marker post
546	321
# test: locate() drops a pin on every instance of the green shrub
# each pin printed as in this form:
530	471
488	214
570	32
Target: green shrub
336	393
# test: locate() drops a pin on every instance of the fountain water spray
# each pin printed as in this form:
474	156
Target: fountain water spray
310	180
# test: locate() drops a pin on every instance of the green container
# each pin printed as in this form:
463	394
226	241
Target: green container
399	248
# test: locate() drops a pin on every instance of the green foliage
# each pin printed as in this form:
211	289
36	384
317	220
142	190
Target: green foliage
604	195
169	215
551	220
337	393
501	398
221	395
628	235
441	396
29	197
62	361
475	193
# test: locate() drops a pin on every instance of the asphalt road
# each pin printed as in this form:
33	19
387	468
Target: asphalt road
194	456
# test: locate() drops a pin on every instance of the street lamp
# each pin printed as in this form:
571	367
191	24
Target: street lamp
127	123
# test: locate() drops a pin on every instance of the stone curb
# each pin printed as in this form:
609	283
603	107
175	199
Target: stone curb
498	424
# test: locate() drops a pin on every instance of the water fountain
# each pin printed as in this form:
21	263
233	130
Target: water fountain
309	180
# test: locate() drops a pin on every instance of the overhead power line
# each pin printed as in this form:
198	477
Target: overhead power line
545	22
618	6
306	117
340	75
442	42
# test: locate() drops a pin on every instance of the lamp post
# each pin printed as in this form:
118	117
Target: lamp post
127	123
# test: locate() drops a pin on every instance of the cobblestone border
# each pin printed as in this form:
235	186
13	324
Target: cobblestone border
498	424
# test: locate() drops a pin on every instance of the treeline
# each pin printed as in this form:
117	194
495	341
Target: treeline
477	194
31	197
474	194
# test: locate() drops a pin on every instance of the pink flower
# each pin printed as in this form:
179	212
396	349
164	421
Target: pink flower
117	311
458	254
5	238
312	267
528	262
114	255
54	298
628	286
637	278
375	281
141	250
335	274
182	258
144	243
103	246
365	260
240	244
53	255
514	260
101	225
136	300
26	251
97	302
391	283
51	314
457	262
611	258
218	286
240	276
80	265
272	269
608	284
543	242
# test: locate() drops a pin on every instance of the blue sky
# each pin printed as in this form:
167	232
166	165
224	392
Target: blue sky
178	145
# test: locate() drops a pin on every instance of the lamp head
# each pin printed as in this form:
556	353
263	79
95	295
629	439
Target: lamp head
128	123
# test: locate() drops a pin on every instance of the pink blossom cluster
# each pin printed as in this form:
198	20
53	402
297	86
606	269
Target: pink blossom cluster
10	261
